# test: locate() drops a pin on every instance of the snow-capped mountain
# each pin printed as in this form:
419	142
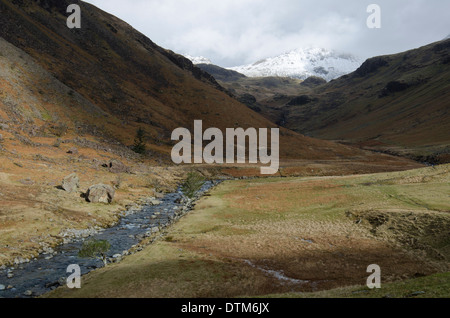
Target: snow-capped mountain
303	63
198	59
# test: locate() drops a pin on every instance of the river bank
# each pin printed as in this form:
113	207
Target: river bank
47	271
291	236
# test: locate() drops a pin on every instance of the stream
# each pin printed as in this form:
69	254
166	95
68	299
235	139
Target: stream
48	271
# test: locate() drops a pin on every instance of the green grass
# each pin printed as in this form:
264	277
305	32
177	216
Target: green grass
46	116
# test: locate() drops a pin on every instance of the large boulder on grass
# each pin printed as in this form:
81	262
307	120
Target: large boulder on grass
71	183
115	166
100	193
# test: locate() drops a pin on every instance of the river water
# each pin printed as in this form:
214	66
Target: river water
47	272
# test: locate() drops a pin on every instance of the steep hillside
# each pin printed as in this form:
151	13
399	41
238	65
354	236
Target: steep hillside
219	73
398	103
130	80
116	68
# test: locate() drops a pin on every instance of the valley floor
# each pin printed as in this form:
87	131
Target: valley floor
297	237
35	212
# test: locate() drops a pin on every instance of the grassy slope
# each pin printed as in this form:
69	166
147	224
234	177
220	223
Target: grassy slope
134	81
325	230
359	109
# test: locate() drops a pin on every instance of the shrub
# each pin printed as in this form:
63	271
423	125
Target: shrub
193	183
155	183
95	249
118	182
139	142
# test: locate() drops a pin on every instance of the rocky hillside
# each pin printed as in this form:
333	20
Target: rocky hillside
220	73
122	80
397	103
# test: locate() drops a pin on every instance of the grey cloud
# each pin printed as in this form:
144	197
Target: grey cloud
233	32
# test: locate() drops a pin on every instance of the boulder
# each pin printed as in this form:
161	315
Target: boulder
115	166
71	183
100	193
155	202
73	151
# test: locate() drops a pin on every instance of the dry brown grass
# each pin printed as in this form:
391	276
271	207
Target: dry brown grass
305	229
34	210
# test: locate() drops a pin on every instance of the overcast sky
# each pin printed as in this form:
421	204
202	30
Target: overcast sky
236	32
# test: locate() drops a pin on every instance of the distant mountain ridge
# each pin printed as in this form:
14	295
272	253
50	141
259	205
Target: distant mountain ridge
197	59
395	103
303	63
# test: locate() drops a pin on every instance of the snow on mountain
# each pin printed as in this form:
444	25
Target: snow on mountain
198	59
303	63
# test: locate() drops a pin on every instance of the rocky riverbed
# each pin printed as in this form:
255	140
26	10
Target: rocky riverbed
30	278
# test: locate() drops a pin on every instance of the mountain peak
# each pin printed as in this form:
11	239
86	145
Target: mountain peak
303	63
198	59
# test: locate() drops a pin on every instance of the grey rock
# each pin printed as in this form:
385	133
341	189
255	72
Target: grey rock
155	229
27	181
100	193
28	293
73	151
71	183
115	166
2	287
